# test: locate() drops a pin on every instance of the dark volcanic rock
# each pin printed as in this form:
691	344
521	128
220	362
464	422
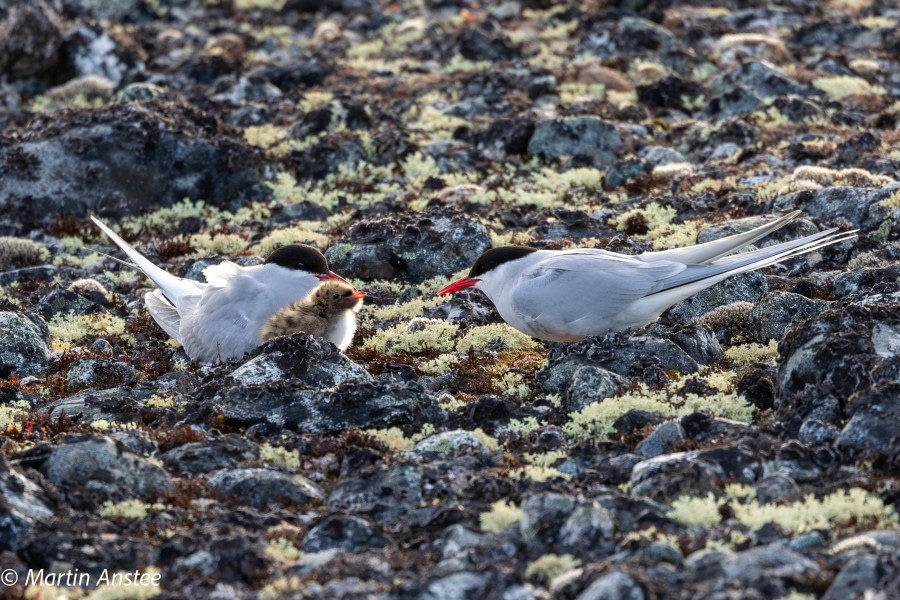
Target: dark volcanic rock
350	533
353	405
778	311
99	374
264	487
22	504
122	160
207	456
576	136
30	38
623	354
861	206
23	346
99	465
385	494
314	361
839	352
575	525
666	477
414	247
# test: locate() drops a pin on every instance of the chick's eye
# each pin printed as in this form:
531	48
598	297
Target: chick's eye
335	296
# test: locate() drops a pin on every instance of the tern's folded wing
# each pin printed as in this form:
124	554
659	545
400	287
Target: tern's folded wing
568	288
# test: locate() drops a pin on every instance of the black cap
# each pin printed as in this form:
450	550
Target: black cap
495	257
300	257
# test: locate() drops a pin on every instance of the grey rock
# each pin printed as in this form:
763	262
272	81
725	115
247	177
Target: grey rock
447	442
660	552
660	155
350	533
30	38
863	280
839	352
861	206
576	525
738	100
210	455
385	494
778	311
458	586
860	574
700	343
589	385
23	346
264	487
666	477
64	301
576	136
107	405
458	538
662	438
815	432
98	464
115	10
626	36
776	487
314	361
613	586
411	247
873	427
21	505
746	287
623	354
99	374
354	405
800	470
48	175
770	561
763	79
95	53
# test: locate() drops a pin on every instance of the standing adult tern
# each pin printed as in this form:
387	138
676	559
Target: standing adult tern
223	318
567	295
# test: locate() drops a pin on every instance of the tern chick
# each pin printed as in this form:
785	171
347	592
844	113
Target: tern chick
222	318
329	312
567	295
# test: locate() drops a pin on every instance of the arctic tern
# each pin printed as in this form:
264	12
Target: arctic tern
567	295
223	318
329	312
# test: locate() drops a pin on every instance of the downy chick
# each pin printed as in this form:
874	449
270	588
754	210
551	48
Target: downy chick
328	312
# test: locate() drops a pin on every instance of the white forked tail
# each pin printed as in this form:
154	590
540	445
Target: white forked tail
172	287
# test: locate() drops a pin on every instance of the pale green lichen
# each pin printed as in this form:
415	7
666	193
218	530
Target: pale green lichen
417	335
500	517
280	457
551	566
498	333
283	551
745	354
596	419
67	328
839	87
698	511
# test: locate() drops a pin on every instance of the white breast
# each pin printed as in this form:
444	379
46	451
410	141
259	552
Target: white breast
341	334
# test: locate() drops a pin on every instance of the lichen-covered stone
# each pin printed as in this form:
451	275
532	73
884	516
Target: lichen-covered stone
23	346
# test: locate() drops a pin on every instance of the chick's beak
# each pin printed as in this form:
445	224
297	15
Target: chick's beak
459	284
356	295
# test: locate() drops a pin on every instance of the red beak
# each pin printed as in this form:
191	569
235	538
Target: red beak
332	275
459	284
357	295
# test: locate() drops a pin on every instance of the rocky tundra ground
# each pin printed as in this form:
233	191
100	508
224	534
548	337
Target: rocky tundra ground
745	445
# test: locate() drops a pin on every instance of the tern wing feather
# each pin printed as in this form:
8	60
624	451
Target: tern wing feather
718	270
221	273
172	287
586	289
227	321
710	251
163	313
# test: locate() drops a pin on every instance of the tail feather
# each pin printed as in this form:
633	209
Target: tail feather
698	277
163	313
172	287
710	251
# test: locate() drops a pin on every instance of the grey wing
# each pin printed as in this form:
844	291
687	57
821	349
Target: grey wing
228	320
586	288
163	313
